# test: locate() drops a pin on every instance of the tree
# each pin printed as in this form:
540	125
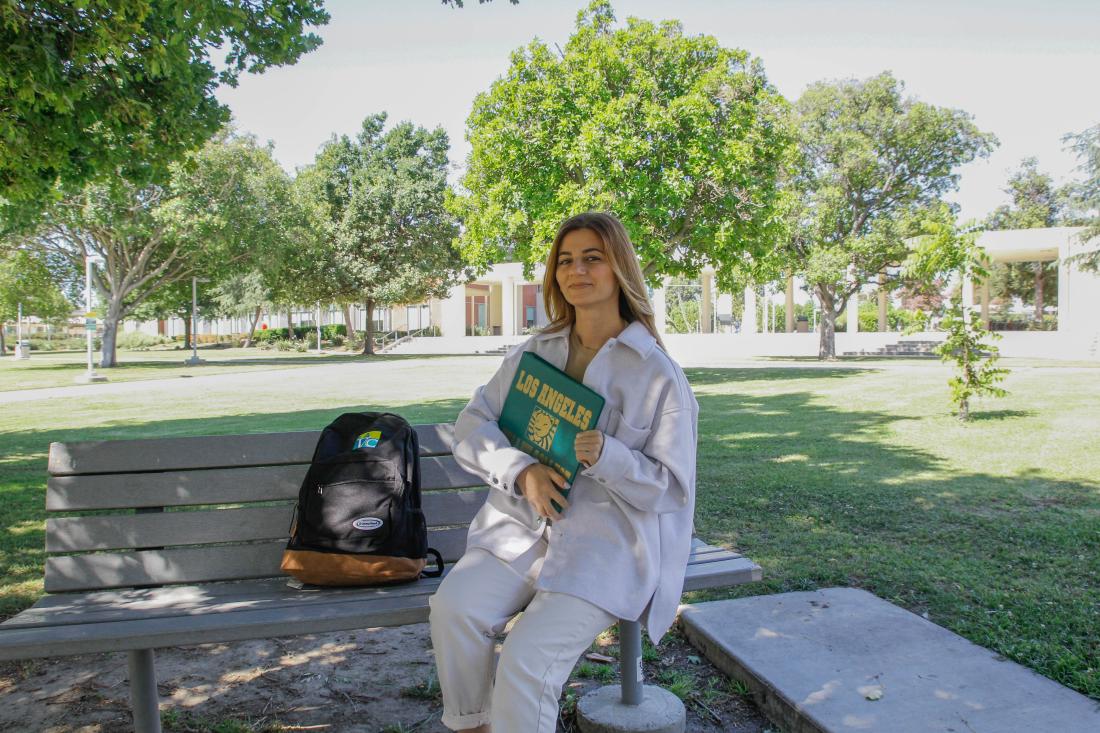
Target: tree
26	280
1085	195
683	139
1035	204
872	166
104	88
944	250
379	200
224	206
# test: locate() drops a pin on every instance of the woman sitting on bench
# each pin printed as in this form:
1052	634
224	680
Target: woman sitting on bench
619	548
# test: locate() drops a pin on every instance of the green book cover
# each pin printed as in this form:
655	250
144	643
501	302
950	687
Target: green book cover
544	411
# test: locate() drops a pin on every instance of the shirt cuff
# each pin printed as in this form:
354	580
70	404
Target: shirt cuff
614	461
505	477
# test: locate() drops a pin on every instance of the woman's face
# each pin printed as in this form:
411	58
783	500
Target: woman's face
584	273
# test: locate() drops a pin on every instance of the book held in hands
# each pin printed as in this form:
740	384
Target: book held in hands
544	411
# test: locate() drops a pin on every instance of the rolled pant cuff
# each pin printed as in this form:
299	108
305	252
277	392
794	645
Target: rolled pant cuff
462	722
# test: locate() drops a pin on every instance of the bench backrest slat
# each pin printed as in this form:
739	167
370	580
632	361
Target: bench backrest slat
140	531
214	486
193	564
216	451
199	509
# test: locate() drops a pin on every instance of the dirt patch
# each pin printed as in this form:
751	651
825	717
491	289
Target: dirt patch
367	681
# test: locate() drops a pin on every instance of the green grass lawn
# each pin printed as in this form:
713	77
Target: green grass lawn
61	369
826	477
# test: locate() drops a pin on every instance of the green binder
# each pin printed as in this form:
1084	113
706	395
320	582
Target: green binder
544	410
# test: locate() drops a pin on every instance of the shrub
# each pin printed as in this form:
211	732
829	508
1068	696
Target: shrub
137	340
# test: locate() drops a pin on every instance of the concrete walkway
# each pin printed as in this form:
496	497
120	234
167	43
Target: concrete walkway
841	659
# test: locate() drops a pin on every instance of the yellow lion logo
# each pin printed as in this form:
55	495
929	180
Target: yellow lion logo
541	429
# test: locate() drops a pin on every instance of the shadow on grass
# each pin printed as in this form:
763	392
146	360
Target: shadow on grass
820	497
995	415
703	375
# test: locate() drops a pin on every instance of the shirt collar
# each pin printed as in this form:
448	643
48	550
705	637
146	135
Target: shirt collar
635	335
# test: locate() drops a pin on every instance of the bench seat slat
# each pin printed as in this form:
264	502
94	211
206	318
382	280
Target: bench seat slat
101	621
191	600
138	531
215	486
356	612
97	606
209	451
69	573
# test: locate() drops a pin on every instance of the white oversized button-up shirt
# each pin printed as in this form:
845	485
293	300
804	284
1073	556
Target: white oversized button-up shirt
624	541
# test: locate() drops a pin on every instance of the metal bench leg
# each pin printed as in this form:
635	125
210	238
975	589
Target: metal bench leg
630	661
144	699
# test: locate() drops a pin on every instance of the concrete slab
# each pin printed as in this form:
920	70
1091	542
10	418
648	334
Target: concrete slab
842	660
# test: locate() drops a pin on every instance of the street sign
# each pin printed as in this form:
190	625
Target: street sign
89	324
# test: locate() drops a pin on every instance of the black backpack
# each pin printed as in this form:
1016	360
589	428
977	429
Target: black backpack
358	520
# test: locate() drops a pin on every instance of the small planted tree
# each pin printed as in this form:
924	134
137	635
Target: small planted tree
944	249
968	345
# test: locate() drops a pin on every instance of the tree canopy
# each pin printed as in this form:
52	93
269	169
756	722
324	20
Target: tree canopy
1084	196
681	138
27	281
98	88
226	205
379	202
873	166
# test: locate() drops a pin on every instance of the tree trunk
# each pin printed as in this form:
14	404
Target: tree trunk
827	345
111	323
252	326
368	347
1039	292
187	331
349	324
289	324
3	346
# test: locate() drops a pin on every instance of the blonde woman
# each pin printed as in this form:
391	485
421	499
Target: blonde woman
619	546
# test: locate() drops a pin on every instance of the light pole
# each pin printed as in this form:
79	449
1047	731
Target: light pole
195	360
89	322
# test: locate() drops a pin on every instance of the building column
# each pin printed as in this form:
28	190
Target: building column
724	305
659	307
748	316
452	321
706	303
985	304
1065	318
508	307
882	310
788	310
853	313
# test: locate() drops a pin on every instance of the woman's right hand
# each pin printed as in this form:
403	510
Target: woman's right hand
540	485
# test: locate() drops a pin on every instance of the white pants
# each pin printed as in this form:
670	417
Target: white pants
471	606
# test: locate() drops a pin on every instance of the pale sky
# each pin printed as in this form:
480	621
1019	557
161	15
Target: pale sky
1027	71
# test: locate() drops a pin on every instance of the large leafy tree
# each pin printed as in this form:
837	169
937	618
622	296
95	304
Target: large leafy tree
1084	196
96	88
223	207
27	283
871	163
1036	203
379	200
683	139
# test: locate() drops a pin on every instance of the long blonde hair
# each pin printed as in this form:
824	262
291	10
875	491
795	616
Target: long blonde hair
634	304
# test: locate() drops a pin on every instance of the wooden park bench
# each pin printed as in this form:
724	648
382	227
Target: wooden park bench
177	541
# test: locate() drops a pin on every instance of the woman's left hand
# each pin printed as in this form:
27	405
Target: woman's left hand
588	446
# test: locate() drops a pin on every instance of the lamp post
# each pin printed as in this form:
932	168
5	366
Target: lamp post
89	322
195	360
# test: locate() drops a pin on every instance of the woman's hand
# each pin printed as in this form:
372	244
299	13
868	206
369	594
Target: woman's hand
540	486
588	446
